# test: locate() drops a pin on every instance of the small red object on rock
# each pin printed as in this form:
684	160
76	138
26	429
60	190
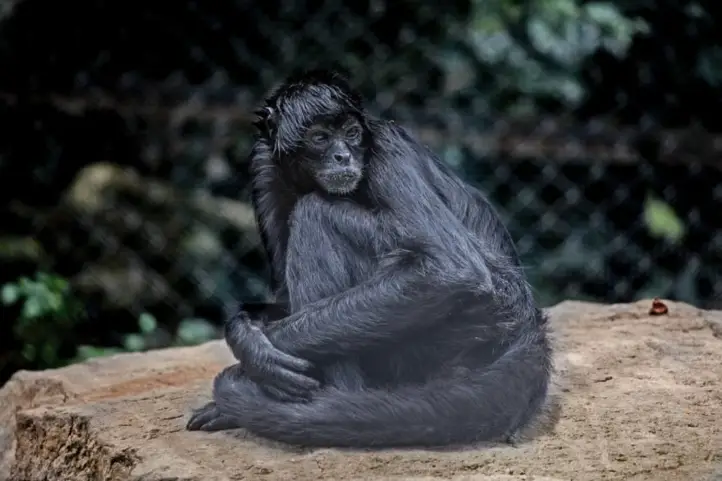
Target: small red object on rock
659	308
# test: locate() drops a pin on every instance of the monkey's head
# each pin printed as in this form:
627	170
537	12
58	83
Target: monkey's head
315	122
333	154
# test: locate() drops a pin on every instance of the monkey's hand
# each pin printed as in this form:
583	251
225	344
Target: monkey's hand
280	375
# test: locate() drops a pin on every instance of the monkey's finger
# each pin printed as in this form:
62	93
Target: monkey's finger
284	396
290	362
295	380
275	382
298	392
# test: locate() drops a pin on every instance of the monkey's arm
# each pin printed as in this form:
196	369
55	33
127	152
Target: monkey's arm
271	203
398	299
406	292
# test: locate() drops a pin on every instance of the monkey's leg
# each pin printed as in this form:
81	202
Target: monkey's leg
210	418
247	398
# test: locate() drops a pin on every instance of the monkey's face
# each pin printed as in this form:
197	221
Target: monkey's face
333	153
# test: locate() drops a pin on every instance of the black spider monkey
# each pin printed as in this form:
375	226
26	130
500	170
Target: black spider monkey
404	318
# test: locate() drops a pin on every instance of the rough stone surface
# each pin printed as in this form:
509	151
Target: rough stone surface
641	399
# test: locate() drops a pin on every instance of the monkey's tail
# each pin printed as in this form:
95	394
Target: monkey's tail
485	405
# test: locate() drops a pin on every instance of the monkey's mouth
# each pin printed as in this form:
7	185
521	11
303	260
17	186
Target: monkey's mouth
341	181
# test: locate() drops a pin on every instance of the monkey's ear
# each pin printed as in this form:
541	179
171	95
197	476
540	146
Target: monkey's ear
266	121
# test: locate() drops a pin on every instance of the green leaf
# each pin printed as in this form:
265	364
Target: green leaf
55	302
147	323
662	221
49	353
32	309
89	352
56	285
604	13
195	331
29	352
10	294
134	342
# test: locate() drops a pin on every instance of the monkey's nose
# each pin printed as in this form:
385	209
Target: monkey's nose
342	157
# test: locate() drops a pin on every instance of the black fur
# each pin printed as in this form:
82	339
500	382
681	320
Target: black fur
406	295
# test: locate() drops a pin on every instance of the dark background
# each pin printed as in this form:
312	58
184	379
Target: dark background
124	218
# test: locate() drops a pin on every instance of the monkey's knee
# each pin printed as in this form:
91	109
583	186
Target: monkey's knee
233	387
232	377
232	372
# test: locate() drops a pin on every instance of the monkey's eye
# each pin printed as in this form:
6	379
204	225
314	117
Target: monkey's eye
353	133
319	137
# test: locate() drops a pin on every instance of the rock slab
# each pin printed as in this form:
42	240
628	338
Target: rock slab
641	399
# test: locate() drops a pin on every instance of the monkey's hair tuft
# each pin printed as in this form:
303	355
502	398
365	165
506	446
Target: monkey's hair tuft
293	106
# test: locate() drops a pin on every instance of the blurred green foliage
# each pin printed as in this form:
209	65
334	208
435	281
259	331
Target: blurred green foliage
50	312
190	332
662	221
538	47
512	56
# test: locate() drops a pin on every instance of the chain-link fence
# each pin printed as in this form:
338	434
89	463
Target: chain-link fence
590	126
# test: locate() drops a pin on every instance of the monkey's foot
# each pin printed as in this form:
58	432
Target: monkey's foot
210	418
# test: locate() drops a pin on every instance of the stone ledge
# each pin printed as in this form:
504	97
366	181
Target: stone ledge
641	399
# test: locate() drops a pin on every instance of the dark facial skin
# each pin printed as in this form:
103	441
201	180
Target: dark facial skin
333	152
